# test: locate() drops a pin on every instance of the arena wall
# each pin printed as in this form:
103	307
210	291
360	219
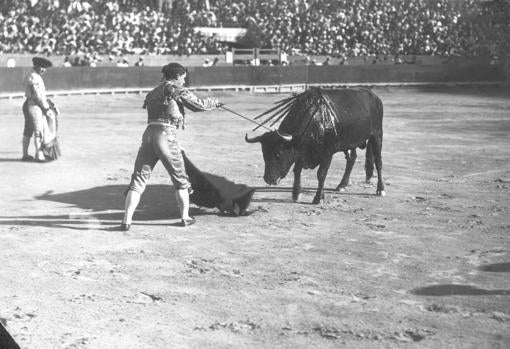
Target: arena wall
110	78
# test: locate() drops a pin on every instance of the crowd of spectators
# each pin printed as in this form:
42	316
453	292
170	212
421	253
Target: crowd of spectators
383	27
337	28
98	27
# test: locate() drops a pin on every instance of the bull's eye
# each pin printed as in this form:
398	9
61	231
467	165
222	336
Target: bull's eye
277	155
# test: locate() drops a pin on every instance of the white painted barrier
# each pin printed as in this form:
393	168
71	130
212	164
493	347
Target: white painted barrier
257	89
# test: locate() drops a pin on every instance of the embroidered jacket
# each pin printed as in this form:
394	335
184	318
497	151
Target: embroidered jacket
166	103
35	91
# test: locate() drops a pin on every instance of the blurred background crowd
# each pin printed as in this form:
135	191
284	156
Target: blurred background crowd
336	28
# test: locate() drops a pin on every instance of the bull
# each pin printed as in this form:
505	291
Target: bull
317	124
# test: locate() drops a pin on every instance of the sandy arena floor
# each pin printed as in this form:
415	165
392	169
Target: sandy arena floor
427	266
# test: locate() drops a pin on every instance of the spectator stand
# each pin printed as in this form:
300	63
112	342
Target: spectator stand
244	57
25	60
506	67
357	28
258	56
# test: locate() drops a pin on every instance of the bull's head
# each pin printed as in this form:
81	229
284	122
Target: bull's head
279	154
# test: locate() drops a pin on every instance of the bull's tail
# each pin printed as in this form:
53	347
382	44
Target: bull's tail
374	143
369	160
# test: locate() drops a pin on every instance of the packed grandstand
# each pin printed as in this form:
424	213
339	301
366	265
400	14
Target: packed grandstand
341	28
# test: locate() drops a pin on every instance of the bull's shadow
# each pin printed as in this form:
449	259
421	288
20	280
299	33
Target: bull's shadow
103	208
305	190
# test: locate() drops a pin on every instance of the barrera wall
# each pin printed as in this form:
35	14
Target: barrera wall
131	79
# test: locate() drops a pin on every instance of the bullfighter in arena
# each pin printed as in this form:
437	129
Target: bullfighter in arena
165	108
35	109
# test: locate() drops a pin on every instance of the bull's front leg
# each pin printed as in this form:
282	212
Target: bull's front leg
321	176
296	189
350	156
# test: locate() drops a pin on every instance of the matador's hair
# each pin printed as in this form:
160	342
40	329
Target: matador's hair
172	70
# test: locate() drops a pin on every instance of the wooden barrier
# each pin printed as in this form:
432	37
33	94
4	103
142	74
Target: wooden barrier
275	78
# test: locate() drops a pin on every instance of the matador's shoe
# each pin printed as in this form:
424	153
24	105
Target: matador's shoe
27	158
188	222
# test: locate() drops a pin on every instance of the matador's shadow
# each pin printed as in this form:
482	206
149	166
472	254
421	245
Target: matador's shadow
107	202
103	208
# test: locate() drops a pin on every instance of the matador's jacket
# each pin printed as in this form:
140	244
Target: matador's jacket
165	104
35	91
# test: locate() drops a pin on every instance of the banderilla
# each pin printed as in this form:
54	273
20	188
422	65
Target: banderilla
246	118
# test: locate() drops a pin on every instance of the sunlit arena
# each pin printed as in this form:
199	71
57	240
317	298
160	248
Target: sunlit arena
348	185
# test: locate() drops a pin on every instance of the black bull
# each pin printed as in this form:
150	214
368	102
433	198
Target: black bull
358	124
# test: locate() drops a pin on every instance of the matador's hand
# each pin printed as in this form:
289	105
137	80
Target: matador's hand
49	113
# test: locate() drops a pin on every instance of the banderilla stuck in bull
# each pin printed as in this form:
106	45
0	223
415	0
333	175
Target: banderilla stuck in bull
246	118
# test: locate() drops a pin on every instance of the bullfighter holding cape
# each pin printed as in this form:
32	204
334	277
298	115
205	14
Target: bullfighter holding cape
40	115
165	111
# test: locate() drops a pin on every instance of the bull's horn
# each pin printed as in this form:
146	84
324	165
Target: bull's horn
252	140
285	136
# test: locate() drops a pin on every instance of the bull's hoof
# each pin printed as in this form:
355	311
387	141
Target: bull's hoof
296	198
340	188
343	186
381	193
368	180
317	200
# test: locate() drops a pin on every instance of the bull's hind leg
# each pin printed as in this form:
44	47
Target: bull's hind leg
377	150
350	156
296	188
321	176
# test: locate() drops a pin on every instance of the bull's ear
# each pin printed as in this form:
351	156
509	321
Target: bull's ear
284	136
252	140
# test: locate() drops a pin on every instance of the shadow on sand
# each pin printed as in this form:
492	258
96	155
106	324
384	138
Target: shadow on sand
18	159
496	267
457	290
307	190
465	290
158	201
104	208
12	160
